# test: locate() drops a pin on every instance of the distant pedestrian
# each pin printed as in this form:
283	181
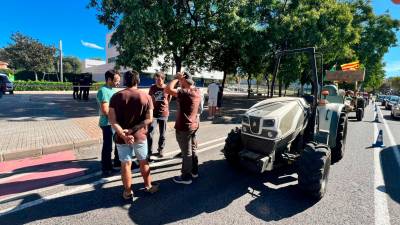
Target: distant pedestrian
75	84
187	124
87	81
160	114
212	91
131	112
104	95
81	83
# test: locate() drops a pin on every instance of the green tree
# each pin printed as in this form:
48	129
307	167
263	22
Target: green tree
29	54
378	34
72	65
395	83
177	30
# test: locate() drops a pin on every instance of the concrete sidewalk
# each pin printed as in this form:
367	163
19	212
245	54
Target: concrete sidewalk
39	123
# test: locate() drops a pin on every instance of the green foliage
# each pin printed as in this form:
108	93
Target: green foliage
29	54
242	36
6	71
377	36
395	83
49	86
71	65
179	30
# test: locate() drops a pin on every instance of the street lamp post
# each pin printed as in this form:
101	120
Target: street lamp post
61	63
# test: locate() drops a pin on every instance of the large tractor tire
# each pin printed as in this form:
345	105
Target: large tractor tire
338	150
359	114
233	145
313	169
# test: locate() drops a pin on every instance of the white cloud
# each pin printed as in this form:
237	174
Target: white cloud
91	45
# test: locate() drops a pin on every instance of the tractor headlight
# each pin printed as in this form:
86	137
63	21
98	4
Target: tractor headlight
268	123
244	128
270	133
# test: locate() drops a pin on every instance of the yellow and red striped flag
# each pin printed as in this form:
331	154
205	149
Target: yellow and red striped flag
351	66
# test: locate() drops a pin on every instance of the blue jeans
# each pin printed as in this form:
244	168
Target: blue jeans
106	162
162	126
127	152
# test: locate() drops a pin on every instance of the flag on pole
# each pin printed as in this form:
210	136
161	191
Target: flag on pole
351	66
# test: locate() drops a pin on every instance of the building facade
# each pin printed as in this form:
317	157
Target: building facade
111	56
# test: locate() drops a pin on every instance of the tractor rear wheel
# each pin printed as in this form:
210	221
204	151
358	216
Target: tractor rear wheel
313	169
233	145
338	150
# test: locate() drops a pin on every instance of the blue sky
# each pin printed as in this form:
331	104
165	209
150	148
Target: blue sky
70	21
54	20
392	58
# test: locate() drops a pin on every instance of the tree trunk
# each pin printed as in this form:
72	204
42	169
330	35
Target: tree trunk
178	63
248	85
223	83
280	87
285	91
267	87
36	77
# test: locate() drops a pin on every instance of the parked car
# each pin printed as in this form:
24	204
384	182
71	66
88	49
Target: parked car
380	98
5	84
385	99
396	110
392	100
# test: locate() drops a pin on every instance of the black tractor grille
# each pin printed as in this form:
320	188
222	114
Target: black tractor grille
254	124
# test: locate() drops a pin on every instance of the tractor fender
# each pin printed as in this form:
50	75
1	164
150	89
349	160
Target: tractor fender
328	119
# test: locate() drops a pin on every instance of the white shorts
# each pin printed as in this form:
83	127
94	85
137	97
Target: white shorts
212	102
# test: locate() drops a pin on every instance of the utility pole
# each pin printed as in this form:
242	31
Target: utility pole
61	63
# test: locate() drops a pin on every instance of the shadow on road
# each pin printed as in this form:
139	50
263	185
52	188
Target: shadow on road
390	118
391	172
217	187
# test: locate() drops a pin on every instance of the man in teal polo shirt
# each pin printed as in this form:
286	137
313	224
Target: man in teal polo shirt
104	95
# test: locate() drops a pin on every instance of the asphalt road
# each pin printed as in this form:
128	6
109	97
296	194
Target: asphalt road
364	188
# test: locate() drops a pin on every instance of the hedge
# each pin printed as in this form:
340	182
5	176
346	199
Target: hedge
49	86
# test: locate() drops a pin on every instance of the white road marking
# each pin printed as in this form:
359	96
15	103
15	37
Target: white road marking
380	201
391	140
199	145
88	186
78	179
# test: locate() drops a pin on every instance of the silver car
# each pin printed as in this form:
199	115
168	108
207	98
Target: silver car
391	101
396	110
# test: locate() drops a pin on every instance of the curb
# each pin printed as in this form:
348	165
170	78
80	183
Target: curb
48	149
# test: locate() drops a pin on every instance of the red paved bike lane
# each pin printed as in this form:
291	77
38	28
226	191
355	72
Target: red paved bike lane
19	176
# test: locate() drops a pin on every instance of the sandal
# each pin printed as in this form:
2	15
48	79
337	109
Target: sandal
127	196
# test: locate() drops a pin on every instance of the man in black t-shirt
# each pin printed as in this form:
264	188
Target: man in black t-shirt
160	113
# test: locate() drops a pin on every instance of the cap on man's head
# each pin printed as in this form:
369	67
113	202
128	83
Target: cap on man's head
188	77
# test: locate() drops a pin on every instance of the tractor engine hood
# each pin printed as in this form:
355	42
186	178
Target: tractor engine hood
276	118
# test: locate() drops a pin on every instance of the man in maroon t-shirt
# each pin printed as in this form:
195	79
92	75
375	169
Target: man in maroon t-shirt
131	111
160	114
187	124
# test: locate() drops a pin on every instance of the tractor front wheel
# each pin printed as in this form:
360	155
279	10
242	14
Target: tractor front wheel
233	145
313	169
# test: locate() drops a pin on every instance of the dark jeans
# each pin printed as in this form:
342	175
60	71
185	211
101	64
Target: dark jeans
162	127
187	141
106	163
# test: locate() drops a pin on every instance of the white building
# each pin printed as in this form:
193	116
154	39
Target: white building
99	69
87	63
